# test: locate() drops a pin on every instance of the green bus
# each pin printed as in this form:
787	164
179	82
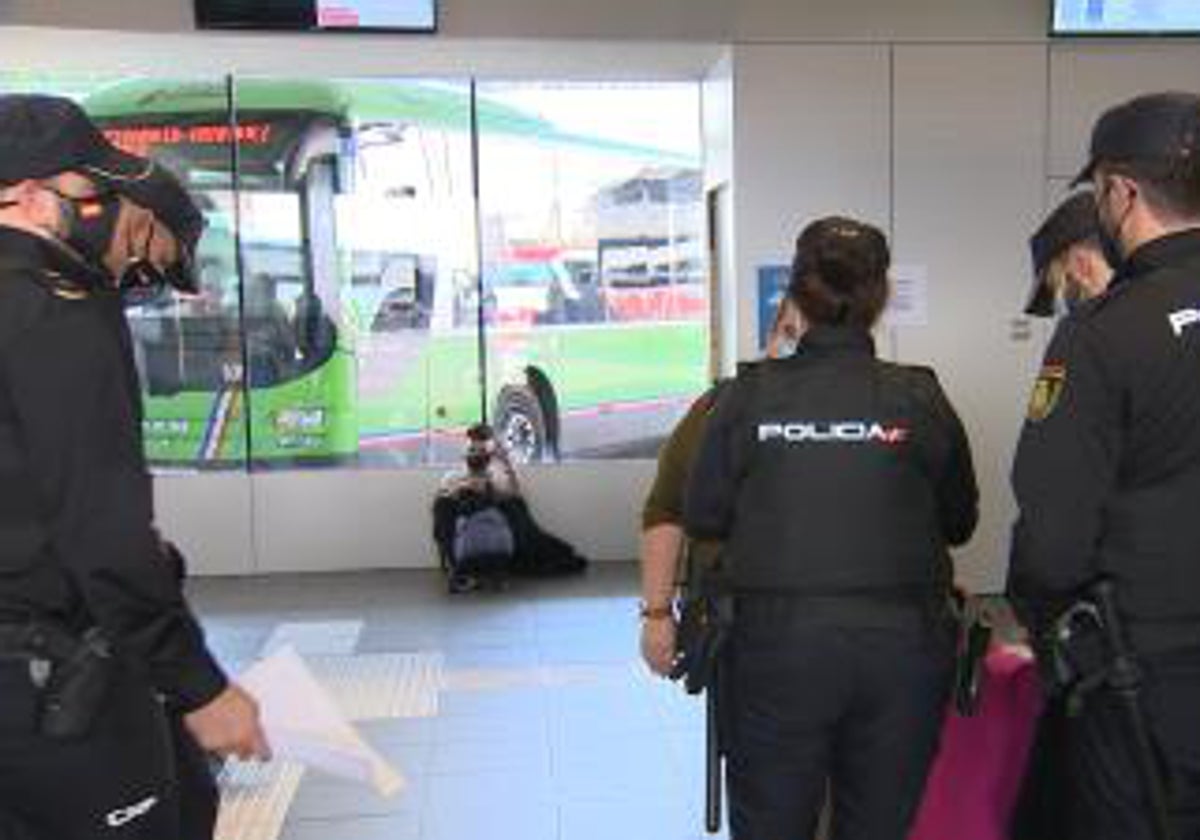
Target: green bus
387	262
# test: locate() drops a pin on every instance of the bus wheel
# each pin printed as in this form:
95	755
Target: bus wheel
521	425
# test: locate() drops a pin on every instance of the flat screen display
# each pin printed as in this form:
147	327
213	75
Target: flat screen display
1126	17
345	15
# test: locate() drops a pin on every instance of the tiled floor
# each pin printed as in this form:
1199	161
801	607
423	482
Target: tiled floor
547	726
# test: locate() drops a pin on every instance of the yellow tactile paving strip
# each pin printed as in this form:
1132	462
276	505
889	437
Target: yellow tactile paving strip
315	638
255	798
382	685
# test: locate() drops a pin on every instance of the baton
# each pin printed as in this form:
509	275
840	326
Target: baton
1125	680
712	758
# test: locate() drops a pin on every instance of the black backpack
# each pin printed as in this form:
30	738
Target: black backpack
482	542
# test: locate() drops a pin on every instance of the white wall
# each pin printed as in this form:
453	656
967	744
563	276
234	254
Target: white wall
717	129
889	20
230	523
1087	77
959	149
696	20
969	180
956	148
811	138
77	50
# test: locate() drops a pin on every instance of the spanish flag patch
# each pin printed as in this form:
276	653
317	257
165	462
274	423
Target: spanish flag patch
1046	391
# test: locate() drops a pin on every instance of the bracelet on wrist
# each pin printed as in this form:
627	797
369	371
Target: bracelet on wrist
648	612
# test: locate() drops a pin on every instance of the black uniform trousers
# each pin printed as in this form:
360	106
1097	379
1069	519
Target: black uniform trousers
137	776
856	711
1108	803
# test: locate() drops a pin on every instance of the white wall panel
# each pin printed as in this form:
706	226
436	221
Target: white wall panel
1087	78
969	182
343	519
595	505
890	19
208	54
811	133
703	20
208	516
717	121
368	519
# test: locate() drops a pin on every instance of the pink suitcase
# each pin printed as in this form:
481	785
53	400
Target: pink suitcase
976	777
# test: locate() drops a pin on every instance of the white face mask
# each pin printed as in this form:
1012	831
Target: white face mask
786	347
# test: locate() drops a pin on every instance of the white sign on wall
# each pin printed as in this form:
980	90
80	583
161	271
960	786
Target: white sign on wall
909	304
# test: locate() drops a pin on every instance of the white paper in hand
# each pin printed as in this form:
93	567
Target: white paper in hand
304	724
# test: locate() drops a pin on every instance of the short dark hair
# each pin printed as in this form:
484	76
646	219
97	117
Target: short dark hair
480	432
839	272
1171	187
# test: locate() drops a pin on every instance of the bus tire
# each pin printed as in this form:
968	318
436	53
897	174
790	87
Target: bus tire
521	424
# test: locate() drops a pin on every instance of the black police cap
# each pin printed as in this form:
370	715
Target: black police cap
162	193
1075	220
1155	128
41	136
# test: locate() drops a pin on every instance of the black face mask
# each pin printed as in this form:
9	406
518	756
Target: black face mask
142	282
90	224
1110	240
1110	244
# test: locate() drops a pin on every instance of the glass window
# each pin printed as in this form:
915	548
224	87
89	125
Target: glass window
593	264
189	348
351	284
356	236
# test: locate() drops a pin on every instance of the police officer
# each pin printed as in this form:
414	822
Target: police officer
1068	263
1107	472
94	630
662	541
837	481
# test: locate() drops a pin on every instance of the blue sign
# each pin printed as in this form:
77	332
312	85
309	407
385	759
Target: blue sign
772	286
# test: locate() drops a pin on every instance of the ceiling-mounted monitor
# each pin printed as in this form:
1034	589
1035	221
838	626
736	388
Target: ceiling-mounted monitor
1125	17
319	15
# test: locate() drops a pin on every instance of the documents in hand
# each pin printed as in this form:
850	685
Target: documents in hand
304	724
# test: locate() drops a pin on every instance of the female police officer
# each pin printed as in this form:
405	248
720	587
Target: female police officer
837	482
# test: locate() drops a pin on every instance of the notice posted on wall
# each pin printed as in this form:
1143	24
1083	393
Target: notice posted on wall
909	303
772	286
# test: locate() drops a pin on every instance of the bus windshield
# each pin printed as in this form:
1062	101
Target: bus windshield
273	296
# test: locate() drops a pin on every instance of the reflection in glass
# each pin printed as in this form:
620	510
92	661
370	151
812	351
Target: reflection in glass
593	266
341	286
334	252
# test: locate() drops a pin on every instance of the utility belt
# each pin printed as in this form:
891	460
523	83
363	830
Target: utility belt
1089	646
888	610
71	673
1088	650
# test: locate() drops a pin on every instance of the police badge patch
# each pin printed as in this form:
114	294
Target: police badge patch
1046	392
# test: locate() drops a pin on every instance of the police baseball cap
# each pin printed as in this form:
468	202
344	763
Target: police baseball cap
162	193
1155	128
41	136
1075	220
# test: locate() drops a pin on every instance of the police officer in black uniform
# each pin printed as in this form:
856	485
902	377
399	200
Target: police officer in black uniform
1069	265
1107	472
94	631
837	481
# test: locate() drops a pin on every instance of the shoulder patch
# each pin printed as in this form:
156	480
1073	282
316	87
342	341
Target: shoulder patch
1046	391
63	288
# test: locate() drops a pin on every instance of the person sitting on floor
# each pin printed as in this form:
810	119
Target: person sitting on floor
482	524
